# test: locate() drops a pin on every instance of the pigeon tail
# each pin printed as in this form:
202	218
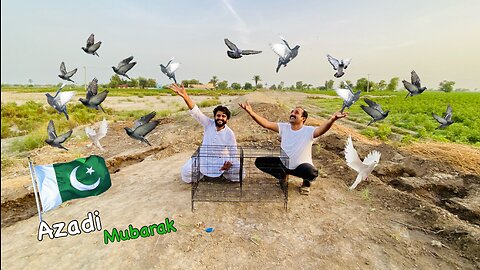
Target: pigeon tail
126	76
145	140
66	114
175	80
100	106
357	181
343	108
371	122
407	95
95	53
62	147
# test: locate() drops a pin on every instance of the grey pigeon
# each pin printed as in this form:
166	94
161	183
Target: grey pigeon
348	96
92	47
59	101
95	136
446	120
170	69
375	111
53	139
365	167
142	127
66	75
414	88
338	65
284	52
236	52
124	66
93	98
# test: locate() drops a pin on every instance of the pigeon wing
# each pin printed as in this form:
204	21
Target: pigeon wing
372	112
172	67
92	88
125	61
230	45
334	62
127	67
143	120
51	130
281	50
63	137
439	119
415	79
145	129
286	43
90	40
71	73
65	97
102	130
63	70
372	104
99	98
373	156
90	132
95	46
448	113
346	62
246	52
351	156
345	94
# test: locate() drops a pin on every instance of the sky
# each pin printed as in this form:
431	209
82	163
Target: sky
439	39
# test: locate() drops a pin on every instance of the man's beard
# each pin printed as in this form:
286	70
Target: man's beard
220	123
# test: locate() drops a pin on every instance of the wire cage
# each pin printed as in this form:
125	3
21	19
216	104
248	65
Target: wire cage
242	182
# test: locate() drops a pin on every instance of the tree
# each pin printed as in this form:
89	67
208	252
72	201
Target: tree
223	85
256	78
151	83
273	87
446	86
247	86
382	85
186	83
281	85
393	84
329	84
259	86
214	81
299	85
142	82
115	81
132	83
236	86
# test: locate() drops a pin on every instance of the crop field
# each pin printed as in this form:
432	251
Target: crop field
415	114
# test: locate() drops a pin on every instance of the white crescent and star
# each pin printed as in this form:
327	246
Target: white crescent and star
80	186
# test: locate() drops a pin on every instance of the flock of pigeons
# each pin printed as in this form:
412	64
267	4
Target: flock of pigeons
144	125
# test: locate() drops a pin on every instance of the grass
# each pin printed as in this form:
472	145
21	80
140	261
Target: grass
209	102
415	114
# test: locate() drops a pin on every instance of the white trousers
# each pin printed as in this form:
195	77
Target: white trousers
232	174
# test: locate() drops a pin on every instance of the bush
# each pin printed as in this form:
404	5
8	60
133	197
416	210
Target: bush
384	131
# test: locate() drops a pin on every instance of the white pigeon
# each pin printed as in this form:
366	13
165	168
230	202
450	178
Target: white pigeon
96	136
363	168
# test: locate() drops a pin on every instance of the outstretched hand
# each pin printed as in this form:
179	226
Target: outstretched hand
180	90
338	115
246	106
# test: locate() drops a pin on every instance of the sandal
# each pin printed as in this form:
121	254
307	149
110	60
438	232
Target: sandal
304	190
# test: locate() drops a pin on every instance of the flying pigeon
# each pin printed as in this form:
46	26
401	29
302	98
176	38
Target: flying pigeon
59	101
414	88
53	139
96	136
169	70
446	120
235	52
339	66
92	47
363	168
93	98
374	110
348	96
66	75
142	127
124	66
284	52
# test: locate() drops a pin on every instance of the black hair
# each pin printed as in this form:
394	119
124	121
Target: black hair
222	109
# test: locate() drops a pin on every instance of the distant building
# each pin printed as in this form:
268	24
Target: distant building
208	86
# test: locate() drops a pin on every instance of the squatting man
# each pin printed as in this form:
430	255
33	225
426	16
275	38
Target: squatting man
218	152
296	141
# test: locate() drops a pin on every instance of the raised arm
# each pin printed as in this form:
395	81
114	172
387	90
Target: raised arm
328	124
259	119
180	90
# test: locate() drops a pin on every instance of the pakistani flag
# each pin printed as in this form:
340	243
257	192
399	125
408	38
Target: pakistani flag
80	178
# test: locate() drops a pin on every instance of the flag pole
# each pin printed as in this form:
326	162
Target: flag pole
34	182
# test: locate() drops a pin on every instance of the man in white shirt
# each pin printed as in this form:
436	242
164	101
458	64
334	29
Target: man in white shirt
296	142
218	152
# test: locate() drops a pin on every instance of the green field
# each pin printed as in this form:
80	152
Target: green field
415	114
